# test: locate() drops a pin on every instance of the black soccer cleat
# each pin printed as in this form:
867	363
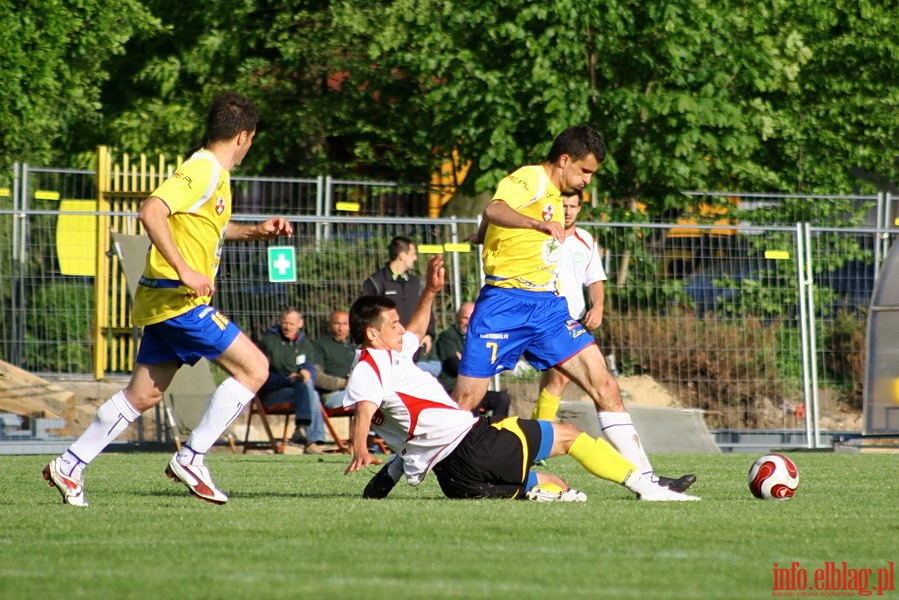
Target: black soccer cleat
681	484
380	485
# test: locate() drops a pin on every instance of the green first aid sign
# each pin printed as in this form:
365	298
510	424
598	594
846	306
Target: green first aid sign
282	264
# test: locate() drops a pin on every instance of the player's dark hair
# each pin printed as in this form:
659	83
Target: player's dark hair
397	245
578	142
229	114
365	312
579	194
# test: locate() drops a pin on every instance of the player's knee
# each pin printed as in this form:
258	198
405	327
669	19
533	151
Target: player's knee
469	392
564	435
251	370
143	400
608	396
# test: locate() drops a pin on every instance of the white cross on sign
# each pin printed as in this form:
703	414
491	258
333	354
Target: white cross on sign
282	264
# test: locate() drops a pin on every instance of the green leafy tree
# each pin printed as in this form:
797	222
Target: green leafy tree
838	126
52	58
324	108
689	95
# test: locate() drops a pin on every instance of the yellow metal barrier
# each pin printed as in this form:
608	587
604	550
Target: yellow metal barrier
121	187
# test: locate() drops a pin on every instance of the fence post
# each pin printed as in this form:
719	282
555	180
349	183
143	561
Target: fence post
457	276
101	281
321	228
806	349
807	328
327	202
19	255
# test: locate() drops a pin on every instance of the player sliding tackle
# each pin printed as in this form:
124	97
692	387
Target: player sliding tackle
428	431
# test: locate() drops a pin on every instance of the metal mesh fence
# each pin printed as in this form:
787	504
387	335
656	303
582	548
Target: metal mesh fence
746	320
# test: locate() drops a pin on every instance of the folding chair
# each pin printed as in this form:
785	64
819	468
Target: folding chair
186	399
263	412
344	445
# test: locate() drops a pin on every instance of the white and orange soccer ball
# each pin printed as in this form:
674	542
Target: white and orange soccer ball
773	477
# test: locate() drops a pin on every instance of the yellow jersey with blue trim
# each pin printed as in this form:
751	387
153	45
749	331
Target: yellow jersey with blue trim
199	199
524	259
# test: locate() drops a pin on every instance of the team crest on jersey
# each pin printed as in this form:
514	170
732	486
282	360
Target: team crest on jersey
551	251
548	212
220	205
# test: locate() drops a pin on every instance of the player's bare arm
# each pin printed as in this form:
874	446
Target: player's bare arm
434	282
154	216
362	458
501	214
478	237
593	317
270	229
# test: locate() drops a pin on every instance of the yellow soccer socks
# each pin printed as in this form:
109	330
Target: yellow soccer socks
547	406
601	459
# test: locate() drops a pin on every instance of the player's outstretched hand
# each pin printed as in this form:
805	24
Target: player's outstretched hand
436	273
275	227
361	459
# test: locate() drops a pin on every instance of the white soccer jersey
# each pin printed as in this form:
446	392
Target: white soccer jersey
580	266
415	417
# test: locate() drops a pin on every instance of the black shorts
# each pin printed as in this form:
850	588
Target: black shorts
493	461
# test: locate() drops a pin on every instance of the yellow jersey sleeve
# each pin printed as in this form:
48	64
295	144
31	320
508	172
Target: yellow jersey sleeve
524	258
199	198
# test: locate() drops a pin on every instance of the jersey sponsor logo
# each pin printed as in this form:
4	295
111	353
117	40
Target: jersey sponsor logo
519	181
184	178
548	212
220	205
494	336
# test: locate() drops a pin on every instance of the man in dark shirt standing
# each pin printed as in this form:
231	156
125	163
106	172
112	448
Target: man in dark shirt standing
397	281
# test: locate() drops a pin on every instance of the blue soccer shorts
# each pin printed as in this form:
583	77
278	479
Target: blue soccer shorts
510	323
202	332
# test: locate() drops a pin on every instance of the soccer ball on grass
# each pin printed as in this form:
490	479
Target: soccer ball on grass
773	477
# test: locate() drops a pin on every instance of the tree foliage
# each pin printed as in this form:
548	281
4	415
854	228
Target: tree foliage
689	95
787	95
52	56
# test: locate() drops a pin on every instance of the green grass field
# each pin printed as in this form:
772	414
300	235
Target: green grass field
295	527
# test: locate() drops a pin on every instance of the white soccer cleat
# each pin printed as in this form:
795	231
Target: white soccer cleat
71	488
663	494
536	494
198	480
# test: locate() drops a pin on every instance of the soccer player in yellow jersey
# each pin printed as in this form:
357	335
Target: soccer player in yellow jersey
187	219
519	311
